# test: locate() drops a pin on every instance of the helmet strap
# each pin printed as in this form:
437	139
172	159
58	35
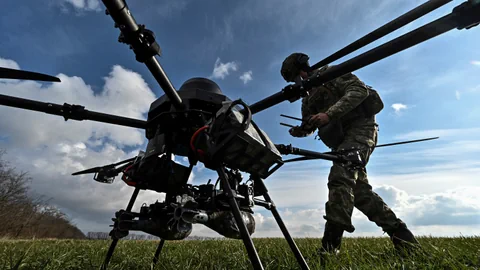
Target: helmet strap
298	79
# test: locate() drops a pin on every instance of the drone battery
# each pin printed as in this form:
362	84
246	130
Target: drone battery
250	149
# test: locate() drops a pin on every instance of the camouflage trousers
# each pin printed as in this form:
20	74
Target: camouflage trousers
349	188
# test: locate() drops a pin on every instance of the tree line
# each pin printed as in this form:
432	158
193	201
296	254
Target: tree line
132	236
24	215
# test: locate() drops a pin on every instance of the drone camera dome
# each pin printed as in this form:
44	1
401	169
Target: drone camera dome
202	84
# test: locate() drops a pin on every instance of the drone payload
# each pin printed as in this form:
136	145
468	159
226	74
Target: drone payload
201	123
213	127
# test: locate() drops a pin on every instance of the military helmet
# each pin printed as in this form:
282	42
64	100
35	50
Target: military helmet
292	65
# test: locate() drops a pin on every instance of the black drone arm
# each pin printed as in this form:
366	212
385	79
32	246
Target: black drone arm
464	16
142	42
384	30
75	112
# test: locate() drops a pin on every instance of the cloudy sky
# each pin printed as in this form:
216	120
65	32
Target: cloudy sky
429	90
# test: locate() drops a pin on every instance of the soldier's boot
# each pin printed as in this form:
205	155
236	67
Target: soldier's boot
403	240
331	241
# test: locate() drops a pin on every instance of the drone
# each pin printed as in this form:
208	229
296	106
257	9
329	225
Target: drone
199	122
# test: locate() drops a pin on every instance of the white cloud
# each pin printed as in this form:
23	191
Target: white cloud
50	149
457	95
169	9
7	63
191	177
476	63
398	107
458	206
120	86
246	77
442	133
85	5
451	212
474	89
84	200
200	167
221	70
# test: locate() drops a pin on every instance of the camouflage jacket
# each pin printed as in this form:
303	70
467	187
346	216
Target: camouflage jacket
339	99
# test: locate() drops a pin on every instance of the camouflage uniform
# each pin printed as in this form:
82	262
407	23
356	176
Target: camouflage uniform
349	188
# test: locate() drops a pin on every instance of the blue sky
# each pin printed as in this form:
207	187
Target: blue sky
429	90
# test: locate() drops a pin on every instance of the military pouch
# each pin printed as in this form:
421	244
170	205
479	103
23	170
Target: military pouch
331	134
373	104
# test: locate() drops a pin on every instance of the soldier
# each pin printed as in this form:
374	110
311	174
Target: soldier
344	121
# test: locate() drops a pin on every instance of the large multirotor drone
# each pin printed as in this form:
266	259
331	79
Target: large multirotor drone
201	123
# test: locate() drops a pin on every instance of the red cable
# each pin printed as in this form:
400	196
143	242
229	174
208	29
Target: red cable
130	183
192	140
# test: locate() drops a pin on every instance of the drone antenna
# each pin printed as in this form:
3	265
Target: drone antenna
8	73
291	117
287	125
384	30
405	142
378	146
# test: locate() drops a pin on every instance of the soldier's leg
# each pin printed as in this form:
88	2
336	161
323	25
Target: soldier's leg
373	206
376	210
339	207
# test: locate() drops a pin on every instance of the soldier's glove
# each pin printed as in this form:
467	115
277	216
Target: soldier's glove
319	119
298	132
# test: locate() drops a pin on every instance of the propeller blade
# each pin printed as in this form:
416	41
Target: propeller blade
91	170
124	161
8	73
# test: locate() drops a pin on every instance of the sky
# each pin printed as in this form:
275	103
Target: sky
428	90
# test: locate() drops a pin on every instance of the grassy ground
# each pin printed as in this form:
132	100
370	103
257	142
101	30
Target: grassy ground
357	253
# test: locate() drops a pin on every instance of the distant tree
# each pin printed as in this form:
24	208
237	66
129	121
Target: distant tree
24	215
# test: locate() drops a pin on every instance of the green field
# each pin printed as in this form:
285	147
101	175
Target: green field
357	253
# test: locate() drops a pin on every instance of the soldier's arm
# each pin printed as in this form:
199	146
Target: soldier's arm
355	92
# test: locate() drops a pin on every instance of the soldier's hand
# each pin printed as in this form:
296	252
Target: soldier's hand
297	132
319	119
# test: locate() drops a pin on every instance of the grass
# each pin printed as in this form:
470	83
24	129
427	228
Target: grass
357	253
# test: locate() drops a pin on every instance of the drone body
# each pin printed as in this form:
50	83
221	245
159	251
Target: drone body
194	132
201	123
